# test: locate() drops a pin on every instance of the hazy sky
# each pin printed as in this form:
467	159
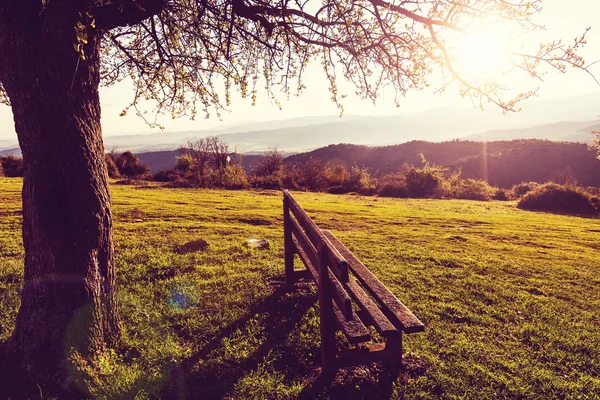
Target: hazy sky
563	20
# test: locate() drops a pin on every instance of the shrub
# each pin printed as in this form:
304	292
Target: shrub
339	189
553	197
12	166
273	182
1	170
392	185
165	175
359	180
269	164
111	166
523	188
130	165
501	195
467	189
338	176
233	176
312	174
472	189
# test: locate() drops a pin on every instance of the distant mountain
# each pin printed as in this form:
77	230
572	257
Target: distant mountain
566	119
567	131
14	151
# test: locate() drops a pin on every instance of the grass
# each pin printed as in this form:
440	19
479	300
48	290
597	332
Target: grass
509	297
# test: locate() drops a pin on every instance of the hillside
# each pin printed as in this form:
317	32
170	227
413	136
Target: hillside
509	297
505	163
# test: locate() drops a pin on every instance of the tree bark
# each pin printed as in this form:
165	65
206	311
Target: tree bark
68	301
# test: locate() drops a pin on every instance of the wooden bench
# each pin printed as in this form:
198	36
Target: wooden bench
351	298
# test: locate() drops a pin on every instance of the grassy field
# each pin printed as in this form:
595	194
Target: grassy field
510	298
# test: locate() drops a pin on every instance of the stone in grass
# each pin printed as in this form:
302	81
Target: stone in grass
259	243
192	246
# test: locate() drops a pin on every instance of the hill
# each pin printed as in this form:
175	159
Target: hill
504	163
509	297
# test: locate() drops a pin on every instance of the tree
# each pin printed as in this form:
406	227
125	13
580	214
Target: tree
185	54
269	164
129	165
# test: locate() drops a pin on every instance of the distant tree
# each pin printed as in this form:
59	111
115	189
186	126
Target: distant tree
270	163
188	56
195	159
12	166
220	154
129	165
111	166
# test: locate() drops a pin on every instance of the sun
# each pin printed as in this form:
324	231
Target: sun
481	54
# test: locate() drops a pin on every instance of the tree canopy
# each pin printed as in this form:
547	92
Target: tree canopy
188	56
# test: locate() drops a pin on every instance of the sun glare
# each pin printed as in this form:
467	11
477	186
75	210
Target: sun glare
481	54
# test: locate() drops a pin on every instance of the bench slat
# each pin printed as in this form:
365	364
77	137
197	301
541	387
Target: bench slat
337	262
393	308
375	315
338	293
354	330
304	242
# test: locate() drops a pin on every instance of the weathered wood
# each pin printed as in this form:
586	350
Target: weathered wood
393	308
312	268
337	290
362	356
326	314
370	308
287	243
337	262
354	330
304	242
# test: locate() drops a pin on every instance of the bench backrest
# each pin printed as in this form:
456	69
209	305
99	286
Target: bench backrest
347	279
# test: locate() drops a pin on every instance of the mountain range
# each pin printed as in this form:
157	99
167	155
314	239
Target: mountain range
569	119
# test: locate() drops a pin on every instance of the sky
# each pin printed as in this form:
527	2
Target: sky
563	20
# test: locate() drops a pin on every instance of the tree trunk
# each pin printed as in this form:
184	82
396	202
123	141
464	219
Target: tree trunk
68	302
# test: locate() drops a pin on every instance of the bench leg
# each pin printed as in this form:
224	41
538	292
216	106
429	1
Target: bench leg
394	345
327	317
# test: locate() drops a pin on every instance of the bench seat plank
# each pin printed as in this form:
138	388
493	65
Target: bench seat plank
354	330
397	312
370	308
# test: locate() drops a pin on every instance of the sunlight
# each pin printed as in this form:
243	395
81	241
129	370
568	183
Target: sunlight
482	53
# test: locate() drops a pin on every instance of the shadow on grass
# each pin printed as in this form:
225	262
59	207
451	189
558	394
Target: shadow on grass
205	375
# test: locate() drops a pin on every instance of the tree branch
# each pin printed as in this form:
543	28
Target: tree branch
109	15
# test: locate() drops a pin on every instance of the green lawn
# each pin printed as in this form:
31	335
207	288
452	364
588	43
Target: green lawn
510	298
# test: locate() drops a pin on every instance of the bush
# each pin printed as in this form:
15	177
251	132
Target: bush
467	189
523	188
130	165
111	166
273	182
269	164
312	174
339	189
165	175
392	185
359	181
12	166
553	197
233	176
1	170
472	189
501	195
